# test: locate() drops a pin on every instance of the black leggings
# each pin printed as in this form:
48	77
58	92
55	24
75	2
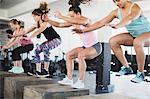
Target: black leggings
19	50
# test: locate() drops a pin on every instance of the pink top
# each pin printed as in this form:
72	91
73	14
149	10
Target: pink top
25	41
88	38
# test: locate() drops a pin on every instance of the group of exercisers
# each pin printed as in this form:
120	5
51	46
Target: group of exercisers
129	14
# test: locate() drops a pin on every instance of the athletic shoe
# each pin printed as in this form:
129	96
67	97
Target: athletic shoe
18	70
13	69
66	81
139	77
124	71
79	84
44	72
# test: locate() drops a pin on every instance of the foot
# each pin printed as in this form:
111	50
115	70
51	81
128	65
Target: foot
13	69
79	84
66	81
139	77
18	70
44	72
124	71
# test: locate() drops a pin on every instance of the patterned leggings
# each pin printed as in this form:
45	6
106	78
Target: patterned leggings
45	48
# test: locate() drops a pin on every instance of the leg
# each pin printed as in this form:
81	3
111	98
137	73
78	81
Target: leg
87	53
46	59
17	60
70	56
19	63
47	46
37	60
139	43
15	63
115	44
16	55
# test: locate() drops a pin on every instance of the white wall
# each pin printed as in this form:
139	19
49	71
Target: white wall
3	13
25	7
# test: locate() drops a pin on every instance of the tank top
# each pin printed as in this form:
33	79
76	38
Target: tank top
23	40
138	25
50	33
88	38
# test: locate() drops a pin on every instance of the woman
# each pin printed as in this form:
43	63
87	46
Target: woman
90	50
138	35
53	39
26	46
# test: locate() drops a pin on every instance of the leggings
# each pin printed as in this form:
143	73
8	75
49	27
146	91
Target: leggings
45	48
19	50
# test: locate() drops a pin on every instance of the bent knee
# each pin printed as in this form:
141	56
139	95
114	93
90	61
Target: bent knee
81	55
69	55
138	42
112	42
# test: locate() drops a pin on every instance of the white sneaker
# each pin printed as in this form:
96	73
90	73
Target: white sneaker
66	81
79	84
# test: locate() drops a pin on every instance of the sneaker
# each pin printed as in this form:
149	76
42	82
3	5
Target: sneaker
66	81
139	77
36	73
124	71
13	69
79	84
18	70
44	72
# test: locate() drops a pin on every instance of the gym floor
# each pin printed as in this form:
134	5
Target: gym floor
122	85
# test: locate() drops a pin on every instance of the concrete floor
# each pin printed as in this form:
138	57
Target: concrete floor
122	84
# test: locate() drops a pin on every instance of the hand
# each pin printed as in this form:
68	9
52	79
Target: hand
78	31
45	17
3	47
58	14
10	36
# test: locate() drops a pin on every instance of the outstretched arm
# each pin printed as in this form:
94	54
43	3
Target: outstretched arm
73	20
55	23
60	25
23	33
11	43
100	23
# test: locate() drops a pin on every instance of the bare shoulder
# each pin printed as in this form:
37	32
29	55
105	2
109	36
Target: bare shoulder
114	13
136	7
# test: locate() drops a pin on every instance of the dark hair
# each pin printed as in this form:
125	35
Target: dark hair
15	21
44	7
37	12
75	9
76	3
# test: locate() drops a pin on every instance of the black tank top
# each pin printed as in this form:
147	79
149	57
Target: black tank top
50	33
